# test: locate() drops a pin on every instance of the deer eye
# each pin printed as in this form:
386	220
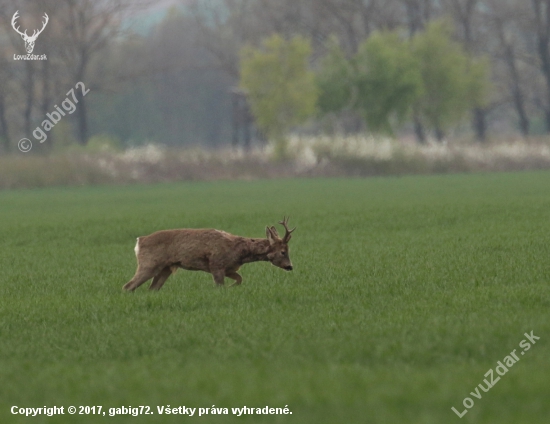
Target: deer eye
283	253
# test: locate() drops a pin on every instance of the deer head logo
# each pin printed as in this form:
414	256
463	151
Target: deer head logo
29	41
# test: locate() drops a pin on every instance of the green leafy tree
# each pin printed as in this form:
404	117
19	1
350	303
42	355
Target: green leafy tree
381	82
453	82
390	77
280	87
388	81
336	80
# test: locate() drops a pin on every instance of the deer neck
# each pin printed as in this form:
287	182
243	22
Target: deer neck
255	250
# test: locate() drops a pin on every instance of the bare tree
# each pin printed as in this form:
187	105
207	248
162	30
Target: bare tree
354	20
90	26
504	21
225	27
4	130
540	25
4	79
468	19
79	30
419	12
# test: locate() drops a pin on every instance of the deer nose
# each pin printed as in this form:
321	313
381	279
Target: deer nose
289	268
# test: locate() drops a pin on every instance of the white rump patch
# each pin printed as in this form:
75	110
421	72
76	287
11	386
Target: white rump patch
136	249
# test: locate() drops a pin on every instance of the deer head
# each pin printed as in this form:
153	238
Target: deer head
29	41
278	253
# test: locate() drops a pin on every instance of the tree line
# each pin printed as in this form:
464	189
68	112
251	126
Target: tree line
428	79
170	82
510	38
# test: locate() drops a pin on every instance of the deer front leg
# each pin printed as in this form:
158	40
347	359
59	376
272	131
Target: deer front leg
234	275
218	276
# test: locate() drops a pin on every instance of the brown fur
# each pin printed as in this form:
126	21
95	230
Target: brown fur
221	254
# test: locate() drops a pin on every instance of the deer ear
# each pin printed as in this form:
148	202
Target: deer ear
274	232
269	235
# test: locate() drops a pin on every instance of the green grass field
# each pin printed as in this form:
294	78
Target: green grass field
405	292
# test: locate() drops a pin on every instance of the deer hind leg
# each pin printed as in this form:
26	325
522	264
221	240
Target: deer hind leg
161	278
141	276
234	276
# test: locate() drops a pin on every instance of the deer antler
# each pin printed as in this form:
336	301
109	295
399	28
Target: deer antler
13	23
36	32
287	236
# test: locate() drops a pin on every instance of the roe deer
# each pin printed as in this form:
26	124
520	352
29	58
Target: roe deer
221	254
